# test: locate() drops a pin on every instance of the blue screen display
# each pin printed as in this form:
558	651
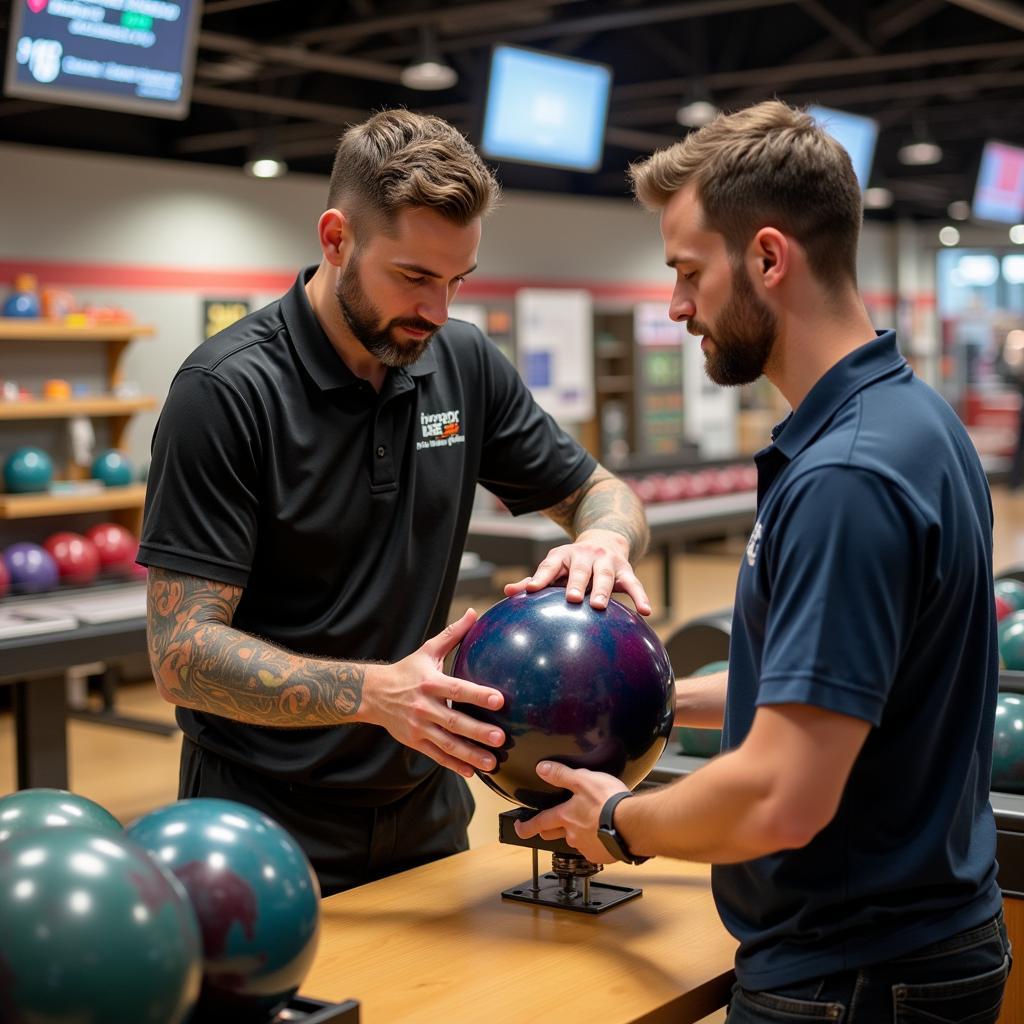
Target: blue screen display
134	55
543	109
856	134
999	190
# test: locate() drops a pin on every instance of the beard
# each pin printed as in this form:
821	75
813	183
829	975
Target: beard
742	338
364	321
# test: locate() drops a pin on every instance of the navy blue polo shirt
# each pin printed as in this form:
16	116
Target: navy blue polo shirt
341	513
866	589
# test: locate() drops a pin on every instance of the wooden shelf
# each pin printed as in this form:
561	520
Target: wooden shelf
30	506
58	409
29	329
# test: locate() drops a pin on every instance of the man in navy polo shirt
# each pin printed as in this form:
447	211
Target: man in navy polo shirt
313	474
848	818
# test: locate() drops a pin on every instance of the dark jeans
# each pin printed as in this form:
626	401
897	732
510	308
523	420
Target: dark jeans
957	981
347	845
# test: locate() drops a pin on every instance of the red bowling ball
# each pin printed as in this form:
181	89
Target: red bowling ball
76	556
5	579
117	547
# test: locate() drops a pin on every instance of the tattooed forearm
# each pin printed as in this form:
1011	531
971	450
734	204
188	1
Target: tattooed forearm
201	662
604	502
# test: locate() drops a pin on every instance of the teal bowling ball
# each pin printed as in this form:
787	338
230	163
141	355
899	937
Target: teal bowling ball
1010	636
93	930
30	809
1012	592
113	467
1008	744
702	742
27	470
256	898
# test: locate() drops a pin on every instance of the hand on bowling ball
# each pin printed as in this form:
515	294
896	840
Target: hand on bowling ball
576	820
599	558
410	700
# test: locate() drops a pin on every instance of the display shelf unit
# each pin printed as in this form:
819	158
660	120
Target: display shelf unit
125	502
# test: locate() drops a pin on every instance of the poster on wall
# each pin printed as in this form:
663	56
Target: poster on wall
219	314
555	348
660	423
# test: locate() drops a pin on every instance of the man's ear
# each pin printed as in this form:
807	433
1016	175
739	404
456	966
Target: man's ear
771	256
334	230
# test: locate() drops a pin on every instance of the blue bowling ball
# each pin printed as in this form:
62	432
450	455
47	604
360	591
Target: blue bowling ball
31	568
255	896
590	689
22	304
113	467
93	930
30	809
27	470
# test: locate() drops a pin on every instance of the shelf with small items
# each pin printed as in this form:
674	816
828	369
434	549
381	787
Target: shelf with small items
28	506
67	408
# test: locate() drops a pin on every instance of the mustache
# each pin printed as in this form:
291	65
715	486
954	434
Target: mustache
696	328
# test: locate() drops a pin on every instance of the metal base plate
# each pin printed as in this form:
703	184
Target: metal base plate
603	896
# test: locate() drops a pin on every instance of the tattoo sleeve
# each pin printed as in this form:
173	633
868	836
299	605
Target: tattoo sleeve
604	502
200	661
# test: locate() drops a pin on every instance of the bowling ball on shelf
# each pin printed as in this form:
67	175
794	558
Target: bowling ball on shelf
1012	592
29	809
5	579
31	568
27	470
1010	635
117	547
255	896
113	467
78	561
590	689
702	742
93	930
1008	744
1003	608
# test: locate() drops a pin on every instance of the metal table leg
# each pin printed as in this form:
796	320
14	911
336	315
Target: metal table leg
40	724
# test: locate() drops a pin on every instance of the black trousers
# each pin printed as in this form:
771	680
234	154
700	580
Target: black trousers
347	845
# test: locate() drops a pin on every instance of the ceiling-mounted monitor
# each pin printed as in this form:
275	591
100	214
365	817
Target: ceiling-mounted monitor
855	133
545	109
131	55
999	189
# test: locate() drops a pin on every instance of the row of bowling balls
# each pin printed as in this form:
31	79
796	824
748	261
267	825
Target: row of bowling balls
1010	618
29	470
72	559
203	911
701	483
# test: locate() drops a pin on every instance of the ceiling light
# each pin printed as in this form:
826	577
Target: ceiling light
920	154
265	167
429	70
1017	234
696	113
877	198
949	235
960	209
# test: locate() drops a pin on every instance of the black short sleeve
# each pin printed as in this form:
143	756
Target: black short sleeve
202	496
528	460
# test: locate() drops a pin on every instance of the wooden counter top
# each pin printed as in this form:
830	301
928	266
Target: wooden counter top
439	944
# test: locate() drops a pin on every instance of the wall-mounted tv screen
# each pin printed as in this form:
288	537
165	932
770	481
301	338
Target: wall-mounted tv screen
544	109
856	134
999	189
132	55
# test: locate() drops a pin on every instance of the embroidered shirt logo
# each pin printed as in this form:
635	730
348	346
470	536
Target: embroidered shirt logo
754	544
440	429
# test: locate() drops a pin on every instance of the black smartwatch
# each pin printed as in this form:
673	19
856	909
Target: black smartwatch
610	839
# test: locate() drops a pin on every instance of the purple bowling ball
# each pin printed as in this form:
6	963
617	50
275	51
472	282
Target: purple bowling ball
31	567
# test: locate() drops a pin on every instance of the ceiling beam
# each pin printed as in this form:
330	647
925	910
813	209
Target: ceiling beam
1006	12
328	113
837	28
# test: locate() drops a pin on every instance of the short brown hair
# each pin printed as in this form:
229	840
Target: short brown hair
769	164
399	159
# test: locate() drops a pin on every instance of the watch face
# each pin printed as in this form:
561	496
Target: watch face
610	841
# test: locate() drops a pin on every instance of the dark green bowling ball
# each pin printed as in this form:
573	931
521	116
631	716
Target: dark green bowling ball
1008	744
1012	592
702	742
52	808
256	898
1010	634
93	931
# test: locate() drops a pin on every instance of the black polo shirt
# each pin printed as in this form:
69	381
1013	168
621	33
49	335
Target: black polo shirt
341	512
866	589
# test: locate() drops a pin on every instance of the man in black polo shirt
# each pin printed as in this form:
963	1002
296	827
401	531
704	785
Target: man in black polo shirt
848	818
312	479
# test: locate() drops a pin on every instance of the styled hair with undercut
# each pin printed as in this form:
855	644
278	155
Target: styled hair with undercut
769	165
398	159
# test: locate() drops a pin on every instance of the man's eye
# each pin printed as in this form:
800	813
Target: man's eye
414	280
